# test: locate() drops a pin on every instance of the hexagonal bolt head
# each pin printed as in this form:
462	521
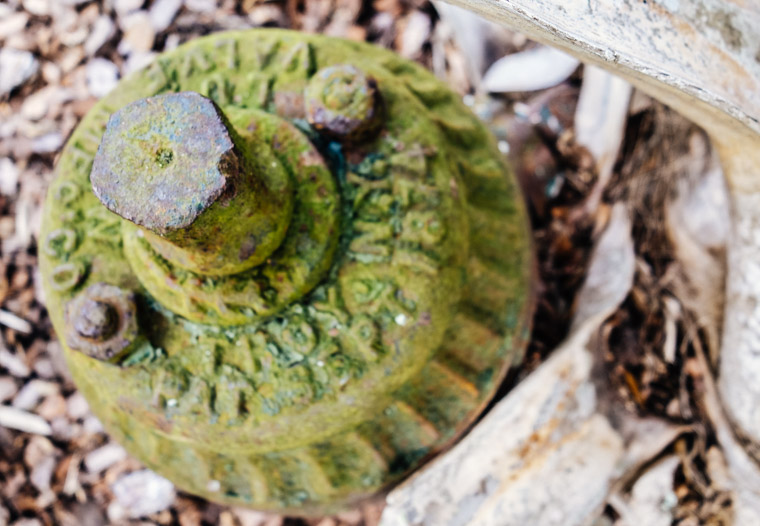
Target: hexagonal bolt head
164	160
96	320
101	322
174	165
344	103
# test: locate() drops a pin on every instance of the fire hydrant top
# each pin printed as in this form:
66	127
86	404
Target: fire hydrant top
286	269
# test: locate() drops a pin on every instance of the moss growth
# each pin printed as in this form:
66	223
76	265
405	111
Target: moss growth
336	368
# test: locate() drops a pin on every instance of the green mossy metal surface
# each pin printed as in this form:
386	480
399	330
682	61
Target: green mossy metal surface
299	263
406	294
228	217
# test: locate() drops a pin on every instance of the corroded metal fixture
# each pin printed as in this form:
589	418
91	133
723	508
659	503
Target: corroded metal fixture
101	322
325	261
141	172
342	102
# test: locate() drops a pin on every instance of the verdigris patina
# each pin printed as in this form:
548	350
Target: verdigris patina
327	260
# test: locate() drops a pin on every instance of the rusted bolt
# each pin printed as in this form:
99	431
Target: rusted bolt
173	165
102	321
96	320
343	102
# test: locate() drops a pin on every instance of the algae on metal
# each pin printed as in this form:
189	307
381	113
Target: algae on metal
369	340
172	164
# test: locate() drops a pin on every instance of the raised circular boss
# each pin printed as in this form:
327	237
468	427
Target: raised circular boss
286	269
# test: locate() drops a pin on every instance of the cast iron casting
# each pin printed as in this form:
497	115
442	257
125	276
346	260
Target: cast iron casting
287	269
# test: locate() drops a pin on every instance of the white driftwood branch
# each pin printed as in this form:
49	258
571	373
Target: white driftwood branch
701	57
521	464
681	52
741	340
543	455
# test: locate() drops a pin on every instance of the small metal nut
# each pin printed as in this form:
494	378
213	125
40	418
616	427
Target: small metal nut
96	320
101	322
344	103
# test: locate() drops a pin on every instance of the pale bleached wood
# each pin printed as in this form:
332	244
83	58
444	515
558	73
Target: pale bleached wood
702	57
544	455
695	54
